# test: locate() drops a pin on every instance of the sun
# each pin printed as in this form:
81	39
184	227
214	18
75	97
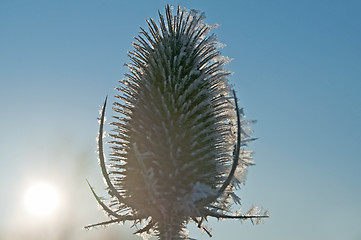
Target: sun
41	199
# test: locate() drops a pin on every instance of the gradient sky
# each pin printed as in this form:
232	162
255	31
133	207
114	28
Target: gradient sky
297	70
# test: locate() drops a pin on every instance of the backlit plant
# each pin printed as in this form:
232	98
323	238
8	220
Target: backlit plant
179	139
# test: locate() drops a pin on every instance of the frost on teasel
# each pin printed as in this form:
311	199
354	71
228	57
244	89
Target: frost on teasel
179	139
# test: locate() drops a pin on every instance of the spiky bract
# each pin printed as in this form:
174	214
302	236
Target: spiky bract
176	135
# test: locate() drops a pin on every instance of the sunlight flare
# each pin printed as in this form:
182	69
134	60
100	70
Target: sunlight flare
41	199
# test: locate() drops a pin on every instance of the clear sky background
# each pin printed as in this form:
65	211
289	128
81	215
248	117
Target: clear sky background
297	70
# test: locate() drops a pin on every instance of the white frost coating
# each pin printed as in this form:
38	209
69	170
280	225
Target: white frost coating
220	45
224	59
200	191
179	106
145	235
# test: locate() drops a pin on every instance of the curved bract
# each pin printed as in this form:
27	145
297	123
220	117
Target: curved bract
178	138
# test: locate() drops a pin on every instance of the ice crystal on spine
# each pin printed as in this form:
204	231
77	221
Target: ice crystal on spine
178	142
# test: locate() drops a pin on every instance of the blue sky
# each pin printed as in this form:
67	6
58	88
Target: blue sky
296	70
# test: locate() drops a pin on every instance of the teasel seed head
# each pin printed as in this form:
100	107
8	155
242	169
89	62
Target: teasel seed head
179	137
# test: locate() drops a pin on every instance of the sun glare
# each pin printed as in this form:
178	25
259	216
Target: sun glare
41	199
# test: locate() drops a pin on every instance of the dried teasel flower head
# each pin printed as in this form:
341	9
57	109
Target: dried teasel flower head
179	138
